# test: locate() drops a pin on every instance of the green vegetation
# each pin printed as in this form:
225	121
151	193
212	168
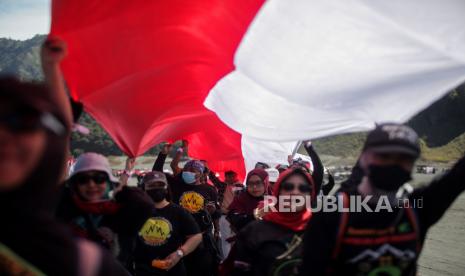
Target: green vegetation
441	126
452	151
349	146
97	141
21	58
346	145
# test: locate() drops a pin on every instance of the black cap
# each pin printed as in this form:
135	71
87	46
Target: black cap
151	177
393	138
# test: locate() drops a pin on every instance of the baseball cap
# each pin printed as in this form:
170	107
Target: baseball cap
92	161
393	138
153	177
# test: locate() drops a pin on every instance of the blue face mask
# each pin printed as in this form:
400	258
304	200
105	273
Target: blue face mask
188	177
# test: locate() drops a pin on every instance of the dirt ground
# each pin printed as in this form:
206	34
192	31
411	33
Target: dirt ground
444	250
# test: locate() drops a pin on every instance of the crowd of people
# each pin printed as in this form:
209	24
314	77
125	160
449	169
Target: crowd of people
189	221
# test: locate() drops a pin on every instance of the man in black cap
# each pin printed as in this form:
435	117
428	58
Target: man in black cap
167	236
387	241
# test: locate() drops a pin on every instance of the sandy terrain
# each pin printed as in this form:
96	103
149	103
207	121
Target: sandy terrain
444	251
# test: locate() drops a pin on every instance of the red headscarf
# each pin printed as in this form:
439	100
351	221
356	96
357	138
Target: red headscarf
245	203
295	221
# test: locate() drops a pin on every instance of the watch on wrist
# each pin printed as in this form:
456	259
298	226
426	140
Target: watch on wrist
180	253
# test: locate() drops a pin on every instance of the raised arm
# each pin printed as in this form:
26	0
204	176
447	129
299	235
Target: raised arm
52	53
129	167
328	186
175	162
318	168
437	197
160	161
220	185
177	158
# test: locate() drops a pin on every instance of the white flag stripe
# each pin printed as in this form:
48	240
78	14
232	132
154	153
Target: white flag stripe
308	69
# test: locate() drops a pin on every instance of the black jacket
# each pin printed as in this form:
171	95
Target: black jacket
258	245
428	203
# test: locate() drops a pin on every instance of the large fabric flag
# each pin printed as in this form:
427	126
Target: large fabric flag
273	72
308	69
143	69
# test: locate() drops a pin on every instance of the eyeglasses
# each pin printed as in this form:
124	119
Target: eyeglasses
85	178
302	187
257	183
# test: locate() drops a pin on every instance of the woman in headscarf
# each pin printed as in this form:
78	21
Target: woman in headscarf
272	246
241	210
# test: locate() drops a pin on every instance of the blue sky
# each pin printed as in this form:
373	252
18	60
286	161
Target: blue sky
22	19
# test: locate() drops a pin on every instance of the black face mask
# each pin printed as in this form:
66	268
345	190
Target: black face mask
157	195
388	178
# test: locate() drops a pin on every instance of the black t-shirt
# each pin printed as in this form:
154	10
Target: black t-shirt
163	233
322	231
194	199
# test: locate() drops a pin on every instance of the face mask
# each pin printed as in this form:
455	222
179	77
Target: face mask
189	177
388	178
158	195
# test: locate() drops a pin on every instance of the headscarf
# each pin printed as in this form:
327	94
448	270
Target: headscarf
195	164
295	221
245	203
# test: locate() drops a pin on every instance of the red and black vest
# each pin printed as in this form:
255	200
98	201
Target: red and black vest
364	249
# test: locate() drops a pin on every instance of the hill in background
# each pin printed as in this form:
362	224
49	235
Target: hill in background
441	126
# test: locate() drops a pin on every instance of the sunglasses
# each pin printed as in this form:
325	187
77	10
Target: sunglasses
21	121
84	179
27	120
302	187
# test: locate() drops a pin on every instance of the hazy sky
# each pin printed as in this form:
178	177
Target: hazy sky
22	19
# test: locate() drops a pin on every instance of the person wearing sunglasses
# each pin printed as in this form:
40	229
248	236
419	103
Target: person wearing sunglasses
262	245
35	127
97	207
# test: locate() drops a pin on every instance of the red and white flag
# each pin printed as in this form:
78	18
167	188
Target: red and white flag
270	73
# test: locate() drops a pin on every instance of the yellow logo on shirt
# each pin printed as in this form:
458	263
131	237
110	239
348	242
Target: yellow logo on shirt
156	231
192	201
